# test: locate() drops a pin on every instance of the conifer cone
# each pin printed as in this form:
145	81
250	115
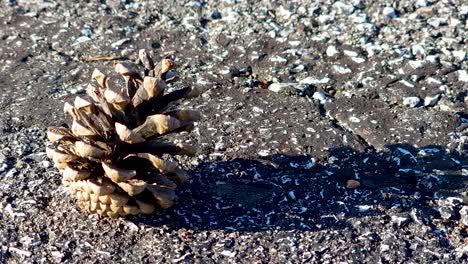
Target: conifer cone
111	159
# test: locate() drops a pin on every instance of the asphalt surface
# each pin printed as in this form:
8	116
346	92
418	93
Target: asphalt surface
299	98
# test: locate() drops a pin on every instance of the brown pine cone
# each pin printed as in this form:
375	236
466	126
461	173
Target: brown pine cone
111	159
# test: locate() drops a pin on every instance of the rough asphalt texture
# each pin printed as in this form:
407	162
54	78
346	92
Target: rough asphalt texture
336	90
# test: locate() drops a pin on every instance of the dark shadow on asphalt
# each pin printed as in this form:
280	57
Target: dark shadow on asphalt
282	192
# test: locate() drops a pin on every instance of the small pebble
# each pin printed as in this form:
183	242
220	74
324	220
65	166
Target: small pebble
81	40
437	22
411	101
319	96
358	60
46	163
331	51
354	119
119	43
350	53
418	50
57	255
220	146
280	87
364	208
464	215
446	212
389	12
431	100
312	80
36	38
3	167
216	15
384	248
459	55
229	254
399	220
421	3
341	69
352	184
462	76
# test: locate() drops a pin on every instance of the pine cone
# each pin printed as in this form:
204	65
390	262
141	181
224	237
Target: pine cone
111	159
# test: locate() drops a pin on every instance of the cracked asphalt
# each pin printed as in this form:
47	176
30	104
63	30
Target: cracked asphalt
299	98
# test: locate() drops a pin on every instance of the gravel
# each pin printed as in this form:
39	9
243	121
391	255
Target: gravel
300	97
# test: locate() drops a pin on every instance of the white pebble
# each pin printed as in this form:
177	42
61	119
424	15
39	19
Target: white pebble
36	38
354	119
406	83
228	253
364	208
20	252
3	167
46	163
324	19
459	54
350	53
341	69
418	50
319	96
389	12
312	80
411	101
399	220
431	100
278	59
454	22
332	51
81	40
219	146
278	87
463	10
358	60
384	248
360	18
257	109
437	22
294	42
463	213
421	3
57	254
284	13
431	80
462	76
416	63
344	8
119	43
